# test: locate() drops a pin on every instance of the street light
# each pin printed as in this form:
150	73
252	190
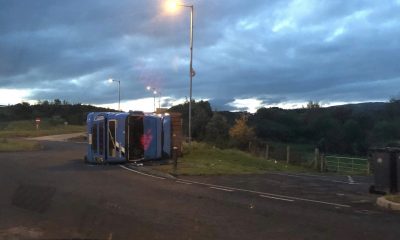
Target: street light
119	91
155	92
171	7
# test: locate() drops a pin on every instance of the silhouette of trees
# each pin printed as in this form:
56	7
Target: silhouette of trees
57	111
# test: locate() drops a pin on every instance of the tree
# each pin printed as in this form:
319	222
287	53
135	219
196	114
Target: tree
217	130
312	105
240	133
201	115
57	102
22	110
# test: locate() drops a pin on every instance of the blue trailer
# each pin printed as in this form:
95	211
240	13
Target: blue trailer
115	137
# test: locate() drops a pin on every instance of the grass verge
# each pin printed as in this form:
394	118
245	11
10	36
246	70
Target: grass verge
203	159
18	145
53	130
393	198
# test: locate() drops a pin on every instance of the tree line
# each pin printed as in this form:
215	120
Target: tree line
57	111
347	129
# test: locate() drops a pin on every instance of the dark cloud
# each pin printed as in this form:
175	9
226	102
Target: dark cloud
274	51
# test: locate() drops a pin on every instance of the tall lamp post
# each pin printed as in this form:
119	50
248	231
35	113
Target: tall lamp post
119	91
155	92
171	6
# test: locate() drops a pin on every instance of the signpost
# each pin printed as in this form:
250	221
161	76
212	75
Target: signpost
37	123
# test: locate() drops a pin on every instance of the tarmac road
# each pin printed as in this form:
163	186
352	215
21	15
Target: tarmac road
52	194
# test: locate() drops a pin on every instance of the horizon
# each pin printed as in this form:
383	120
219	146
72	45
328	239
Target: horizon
125	107
246	56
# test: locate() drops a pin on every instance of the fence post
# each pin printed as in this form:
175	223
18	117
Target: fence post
316	157
368	168
337	167
352	165
322	158
267	151
287	154
249	146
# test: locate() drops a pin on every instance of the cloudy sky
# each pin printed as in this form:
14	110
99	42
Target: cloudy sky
247	54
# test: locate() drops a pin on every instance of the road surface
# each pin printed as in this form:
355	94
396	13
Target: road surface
52	194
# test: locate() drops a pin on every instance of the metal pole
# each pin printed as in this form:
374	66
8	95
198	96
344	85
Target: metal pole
119	95
154	104
191	72
159	99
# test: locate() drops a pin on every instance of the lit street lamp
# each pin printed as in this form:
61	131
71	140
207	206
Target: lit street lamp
155	92
171	6
119	91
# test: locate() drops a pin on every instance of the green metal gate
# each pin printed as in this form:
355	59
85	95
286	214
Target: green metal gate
347	164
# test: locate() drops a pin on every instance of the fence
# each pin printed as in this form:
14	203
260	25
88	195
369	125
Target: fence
347	164
280	152
296	155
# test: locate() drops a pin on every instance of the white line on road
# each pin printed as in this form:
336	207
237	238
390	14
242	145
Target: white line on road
271	194
222	189
351	181
183	182
283	199
141	172
231	189
320	178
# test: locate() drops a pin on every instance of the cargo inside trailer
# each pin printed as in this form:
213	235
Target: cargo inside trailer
135	137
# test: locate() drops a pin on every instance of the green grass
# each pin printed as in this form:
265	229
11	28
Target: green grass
299	147
18	145
203	159
393	198
28	129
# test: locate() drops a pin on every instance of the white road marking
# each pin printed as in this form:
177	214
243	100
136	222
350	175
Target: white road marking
272	194
183	182
283	199
222	189
231	189
321	178
351	181
140	172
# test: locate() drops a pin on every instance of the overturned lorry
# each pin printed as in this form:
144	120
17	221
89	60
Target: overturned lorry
115	137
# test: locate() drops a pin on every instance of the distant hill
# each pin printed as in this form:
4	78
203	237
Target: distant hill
363	107
56	110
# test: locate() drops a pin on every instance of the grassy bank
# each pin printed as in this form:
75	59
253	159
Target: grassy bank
28	129
18	145
203	159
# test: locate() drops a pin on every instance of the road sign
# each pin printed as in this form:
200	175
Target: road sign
37	123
